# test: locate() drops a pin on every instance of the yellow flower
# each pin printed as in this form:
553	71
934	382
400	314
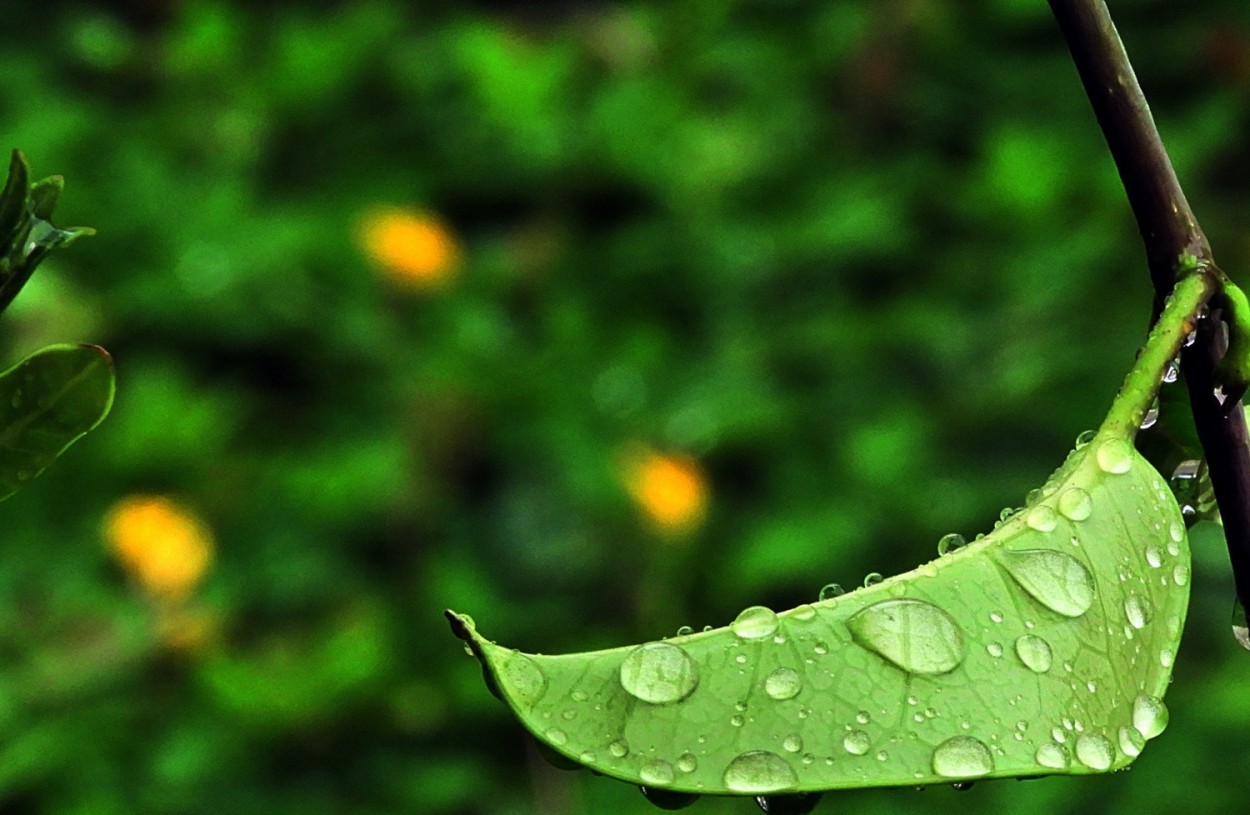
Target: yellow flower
670	489
163	546
414	248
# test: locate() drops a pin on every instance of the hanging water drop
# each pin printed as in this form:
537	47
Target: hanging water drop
915	635
799	804
1094	752
1034	652
1172	372
668	799
1055	579
1114	456
755	623
962	757
1150	716
659	673
782	684
950	542
759	771
1075	504
1152	416
1241	627
830	591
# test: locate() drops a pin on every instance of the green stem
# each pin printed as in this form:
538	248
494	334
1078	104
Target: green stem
1177	321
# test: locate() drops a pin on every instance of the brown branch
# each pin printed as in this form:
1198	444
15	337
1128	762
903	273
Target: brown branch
1173	240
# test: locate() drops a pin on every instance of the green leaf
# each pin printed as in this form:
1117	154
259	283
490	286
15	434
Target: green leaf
47	402
1043	648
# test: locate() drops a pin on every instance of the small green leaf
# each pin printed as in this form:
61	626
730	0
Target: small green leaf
47	402
1042	648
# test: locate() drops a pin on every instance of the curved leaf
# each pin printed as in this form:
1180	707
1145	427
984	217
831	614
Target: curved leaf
1042	648
47	402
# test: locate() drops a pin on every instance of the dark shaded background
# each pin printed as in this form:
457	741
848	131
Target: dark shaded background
864	263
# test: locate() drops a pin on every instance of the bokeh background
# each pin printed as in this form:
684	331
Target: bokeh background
591	319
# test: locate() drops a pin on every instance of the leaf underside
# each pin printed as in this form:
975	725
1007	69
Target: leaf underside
47	402
1043	648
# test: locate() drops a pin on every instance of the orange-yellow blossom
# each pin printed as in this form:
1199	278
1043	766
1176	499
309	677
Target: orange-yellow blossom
163	546
671	489
413	247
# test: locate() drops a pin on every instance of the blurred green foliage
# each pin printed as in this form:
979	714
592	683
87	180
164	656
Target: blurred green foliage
866	261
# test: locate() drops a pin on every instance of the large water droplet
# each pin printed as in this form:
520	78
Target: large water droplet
856	742
657	772
1042	518
914	635
783	683
1052	755
830	591
1055	579
962	757
659	673
1075	504
1034	652
1131	742
1114	456
759	771
755	623
524	680
1094	751
1150	716
1138	611
950	542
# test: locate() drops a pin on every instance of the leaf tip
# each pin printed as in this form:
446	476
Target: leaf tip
461	627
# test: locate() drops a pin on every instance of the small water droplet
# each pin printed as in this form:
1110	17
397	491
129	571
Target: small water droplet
579	696
1167	657
804	612
1084	438
820	648
685	631
755	623
994	649
1154	556
1180	574
1034	652
687	763
872	579
1075	504
996	617
962	757
1094	752
657	772
831	591
856	742
916	636
1055	579
862	717
1176	531
1042	518
793	743
588	757
659	673
759	771
783	683
1150	716
1131	742
618	748
1152	416
1138	611
557	737
1052	755
950	542
737	721
1173	371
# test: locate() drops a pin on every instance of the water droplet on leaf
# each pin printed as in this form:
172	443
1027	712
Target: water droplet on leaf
1114	456
916	636
949	543
1055	579
782	684
759	771
1131	742
755	623
1051	755
1042	518
618	748
659	673
1138	611
1034	652
872	579
962	757
1075	504
856	742
831	590
1094	752
1150	716
657	772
